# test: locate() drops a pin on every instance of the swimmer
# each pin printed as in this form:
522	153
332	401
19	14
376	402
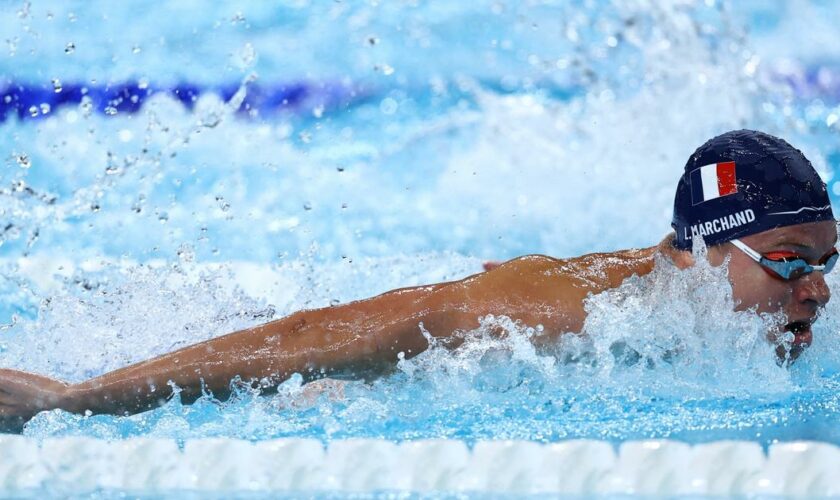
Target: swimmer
754	200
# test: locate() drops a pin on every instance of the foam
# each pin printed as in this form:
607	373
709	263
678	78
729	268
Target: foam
576	467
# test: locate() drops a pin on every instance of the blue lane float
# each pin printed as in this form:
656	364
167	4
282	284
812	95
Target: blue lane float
27	101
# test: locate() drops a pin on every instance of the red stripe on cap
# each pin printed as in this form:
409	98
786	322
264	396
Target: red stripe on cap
726	178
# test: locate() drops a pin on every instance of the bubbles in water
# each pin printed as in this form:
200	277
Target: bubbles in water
683	323
388	106
23	12
86	105
56	83
70	48
386	69
22	159
246	56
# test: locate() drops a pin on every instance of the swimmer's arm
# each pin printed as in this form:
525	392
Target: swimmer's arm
358	339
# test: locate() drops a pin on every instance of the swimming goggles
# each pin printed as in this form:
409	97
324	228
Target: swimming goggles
787	265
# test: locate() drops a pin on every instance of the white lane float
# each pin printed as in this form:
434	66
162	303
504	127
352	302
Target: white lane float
575	467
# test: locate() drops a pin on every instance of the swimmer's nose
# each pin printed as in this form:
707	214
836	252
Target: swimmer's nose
813	289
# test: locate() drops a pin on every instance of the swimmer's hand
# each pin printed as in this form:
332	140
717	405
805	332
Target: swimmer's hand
23	394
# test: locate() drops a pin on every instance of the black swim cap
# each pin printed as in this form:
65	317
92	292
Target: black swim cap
744	182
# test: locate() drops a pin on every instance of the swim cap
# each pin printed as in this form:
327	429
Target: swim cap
744	182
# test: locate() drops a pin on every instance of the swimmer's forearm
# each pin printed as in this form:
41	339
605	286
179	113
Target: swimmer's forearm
357	338
268	353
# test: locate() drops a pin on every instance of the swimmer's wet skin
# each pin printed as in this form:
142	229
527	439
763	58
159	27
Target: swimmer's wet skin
753	199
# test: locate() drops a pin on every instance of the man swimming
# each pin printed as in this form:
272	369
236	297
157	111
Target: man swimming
753	199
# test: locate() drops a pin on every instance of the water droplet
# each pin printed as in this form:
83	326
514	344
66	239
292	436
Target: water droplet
45	108
33	111
334	302
94	207
305	136
223	205
23	13
340	169
23	160
86	105
136	49
7	99
70	48
344	205
247	55
372	40
6	326
56	83
388	106
163	217
110	110
387	70
143	84
307	206
186	253
318	111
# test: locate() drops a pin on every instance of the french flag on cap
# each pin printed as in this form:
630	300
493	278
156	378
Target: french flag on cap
712	181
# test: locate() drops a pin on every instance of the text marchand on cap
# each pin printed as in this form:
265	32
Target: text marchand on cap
715	226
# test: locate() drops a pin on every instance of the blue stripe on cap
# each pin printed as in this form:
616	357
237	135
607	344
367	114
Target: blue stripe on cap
696	181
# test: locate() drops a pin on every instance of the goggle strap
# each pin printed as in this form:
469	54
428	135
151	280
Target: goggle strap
747	250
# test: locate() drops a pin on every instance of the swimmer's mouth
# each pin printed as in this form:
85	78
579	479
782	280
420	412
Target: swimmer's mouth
802	337
801	330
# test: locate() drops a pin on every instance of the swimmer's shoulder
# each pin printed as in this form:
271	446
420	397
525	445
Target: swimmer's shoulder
594	269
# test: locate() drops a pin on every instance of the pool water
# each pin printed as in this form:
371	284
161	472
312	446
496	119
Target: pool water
318	153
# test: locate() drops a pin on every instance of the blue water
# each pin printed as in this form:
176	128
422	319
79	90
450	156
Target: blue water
325	152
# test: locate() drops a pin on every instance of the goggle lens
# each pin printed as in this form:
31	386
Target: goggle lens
789	267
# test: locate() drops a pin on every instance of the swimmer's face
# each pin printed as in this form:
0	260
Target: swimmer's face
800	299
